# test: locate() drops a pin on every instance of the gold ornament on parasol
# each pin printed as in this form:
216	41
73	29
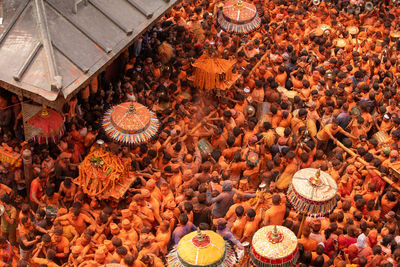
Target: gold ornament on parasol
201	248
239	17
274	246
130	123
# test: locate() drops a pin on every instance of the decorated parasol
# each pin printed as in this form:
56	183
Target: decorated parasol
212	72
239	17
201	248
274	245
47	125
312	192
130	123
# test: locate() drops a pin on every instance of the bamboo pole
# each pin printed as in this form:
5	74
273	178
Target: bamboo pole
301	226
387	180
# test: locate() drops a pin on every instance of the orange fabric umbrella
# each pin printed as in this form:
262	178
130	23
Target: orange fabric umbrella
212	73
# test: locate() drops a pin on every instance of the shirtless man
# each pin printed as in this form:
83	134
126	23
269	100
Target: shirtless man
61	245
251	226
67	191
275	214
77	219
48	261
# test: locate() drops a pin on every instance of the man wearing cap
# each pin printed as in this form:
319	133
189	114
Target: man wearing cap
153	187
75	258
100	257
127	232
152	203
137	222
108	250
144	212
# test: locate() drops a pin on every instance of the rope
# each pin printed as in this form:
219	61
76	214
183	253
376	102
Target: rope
19	103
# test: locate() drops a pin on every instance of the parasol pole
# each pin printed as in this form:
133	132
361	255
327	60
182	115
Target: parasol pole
303	218
314	181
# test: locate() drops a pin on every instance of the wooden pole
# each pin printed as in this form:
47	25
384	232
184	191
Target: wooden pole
387	180
28	170
301	226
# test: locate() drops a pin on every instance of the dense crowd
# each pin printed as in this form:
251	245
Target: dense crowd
318	94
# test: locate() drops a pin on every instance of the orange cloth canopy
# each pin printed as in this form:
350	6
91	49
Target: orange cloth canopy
212	73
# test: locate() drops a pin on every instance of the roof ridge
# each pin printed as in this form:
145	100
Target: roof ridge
55	78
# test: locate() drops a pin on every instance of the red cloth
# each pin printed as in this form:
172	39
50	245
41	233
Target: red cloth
50	125
380	184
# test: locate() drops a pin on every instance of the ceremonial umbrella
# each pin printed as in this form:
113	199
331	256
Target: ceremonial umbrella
312	193
47	126
130	123
212	72
239	17
201	248
273	246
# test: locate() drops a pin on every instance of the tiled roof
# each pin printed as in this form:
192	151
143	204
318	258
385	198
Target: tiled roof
50	48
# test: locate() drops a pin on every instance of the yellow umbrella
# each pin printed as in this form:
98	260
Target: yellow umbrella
201	248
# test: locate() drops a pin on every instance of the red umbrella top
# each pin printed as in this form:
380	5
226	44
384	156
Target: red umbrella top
49	124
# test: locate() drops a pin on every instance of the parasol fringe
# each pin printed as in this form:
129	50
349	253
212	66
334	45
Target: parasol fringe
229	260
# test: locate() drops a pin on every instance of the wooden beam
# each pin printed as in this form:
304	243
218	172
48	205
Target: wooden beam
359	159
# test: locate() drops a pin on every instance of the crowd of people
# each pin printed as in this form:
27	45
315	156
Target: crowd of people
339	95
